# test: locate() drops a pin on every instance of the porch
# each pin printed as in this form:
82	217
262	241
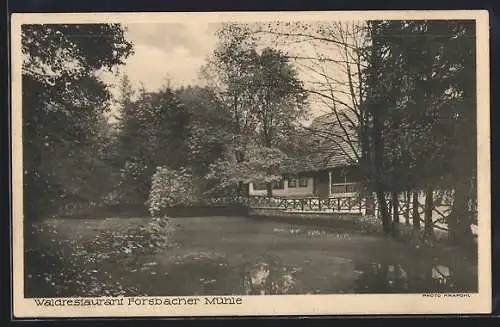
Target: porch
327	183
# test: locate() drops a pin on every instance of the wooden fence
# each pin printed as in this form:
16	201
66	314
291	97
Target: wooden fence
353	204
442	205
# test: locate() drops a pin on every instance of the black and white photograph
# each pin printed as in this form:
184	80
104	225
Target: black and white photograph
207	161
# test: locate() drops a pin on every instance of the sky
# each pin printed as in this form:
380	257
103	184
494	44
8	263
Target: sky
166	52
171	53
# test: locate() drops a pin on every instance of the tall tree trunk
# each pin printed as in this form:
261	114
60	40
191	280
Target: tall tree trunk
240	157
239	190
376	109
268	143
415	213
429	206
369	204
407	208
378	158
269	186
383	212
459	221
365	162
395	213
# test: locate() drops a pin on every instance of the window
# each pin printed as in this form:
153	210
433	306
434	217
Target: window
303	182
278	184
259	186
292	182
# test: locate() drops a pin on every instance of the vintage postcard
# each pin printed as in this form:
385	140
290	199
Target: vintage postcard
250	163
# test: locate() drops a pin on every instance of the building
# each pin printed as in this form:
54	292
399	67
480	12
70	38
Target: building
330	169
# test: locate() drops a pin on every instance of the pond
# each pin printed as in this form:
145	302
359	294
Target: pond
241	256
230	255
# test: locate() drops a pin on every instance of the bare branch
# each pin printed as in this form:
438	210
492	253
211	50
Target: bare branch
307	36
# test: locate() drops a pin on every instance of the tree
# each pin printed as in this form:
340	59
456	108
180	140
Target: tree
260	91
228	74
331	58
399	92
279	99
460	111
154	131
416	71
63	107
209	123
279	96
209	135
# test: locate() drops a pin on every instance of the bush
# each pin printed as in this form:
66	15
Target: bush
170	188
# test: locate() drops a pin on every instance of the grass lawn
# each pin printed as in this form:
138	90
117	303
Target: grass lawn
236	255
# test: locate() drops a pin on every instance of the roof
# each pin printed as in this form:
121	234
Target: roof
331	147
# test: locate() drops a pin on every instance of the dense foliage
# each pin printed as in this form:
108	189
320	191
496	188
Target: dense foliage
421	112
64	127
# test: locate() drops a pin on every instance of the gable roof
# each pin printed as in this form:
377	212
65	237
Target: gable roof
331	147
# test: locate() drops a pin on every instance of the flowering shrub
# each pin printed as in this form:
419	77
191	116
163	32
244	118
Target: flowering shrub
260	164
170	188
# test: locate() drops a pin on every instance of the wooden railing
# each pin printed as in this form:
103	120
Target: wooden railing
323	204
342	204
338	204
441	209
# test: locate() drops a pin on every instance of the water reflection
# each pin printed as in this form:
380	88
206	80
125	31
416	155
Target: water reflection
269	278
271	275
378	277
394	278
